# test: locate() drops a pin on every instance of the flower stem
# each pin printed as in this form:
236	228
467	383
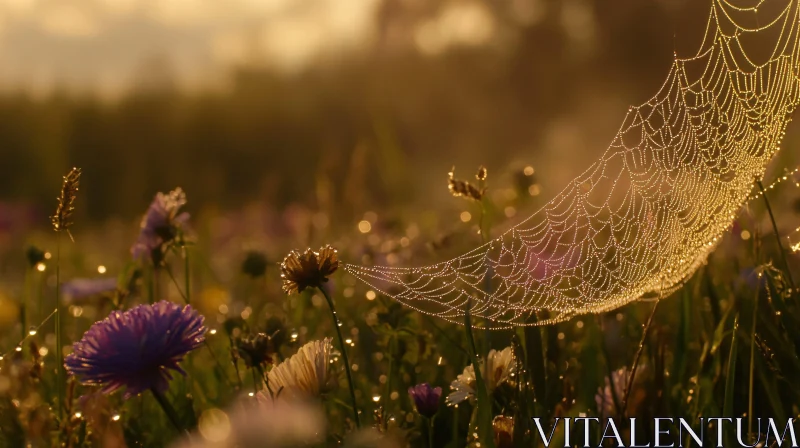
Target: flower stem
156	284
389	378
483	412
24	305
752	363
344	354
218	365
265	379
187	291
151	293
187	279
455	423
39	292
430	431
235	362
59	342
777	236
255	380
480	223
168	409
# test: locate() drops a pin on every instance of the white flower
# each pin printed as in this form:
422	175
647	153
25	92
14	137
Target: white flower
307	373
500	366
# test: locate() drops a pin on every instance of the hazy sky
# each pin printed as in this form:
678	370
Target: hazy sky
107	44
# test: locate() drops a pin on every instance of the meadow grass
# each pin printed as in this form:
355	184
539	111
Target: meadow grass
725	344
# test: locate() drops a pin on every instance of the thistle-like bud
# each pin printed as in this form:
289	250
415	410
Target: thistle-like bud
463	188
62	220
255	350
481	174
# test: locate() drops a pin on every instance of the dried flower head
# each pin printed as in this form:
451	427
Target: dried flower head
503	427
309	269
255	350
136	349
162	223
481	174
254	264
62	220
463	188
306	373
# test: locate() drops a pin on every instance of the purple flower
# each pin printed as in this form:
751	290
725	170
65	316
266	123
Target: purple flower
137	348
82	288
426	398
161	223
605	398
638	396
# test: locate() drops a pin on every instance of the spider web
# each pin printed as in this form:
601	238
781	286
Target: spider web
648	213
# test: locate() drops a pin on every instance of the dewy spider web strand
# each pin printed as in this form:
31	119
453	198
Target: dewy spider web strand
645	216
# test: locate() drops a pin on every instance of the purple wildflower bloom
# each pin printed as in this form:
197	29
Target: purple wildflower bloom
137	348
426	398
638	396
161	223
82	288
605	398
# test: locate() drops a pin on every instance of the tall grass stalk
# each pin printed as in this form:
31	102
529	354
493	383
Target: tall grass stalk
484	403
187	279
536	366
39	288
487	279
444	334
389	377
777	237
636	358
752	362
730	377
609	369
59	342
149	272
62	220
24	307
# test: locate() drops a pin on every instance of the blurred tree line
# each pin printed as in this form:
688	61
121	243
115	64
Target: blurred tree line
358	125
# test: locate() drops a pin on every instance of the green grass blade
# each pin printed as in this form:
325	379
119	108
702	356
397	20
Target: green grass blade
534	351
484	404
730	377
